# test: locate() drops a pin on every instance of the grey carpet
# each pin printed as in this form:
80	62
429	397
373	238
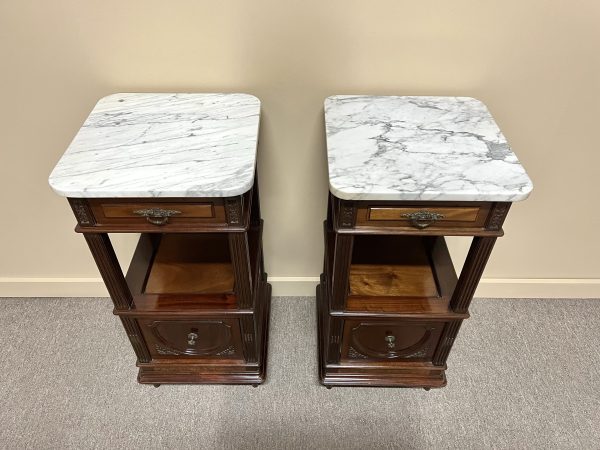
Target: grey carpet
522	374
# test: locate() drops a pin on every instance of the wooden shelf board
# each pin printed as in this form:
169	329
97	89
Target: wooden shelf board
189	278
392	266
191	264
400	275
406	305
183	304
392	280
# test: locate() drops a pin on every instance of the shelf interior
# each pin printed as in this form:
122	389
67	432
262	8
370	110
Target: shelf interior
189	272
394	267
392	280
191	264
410	274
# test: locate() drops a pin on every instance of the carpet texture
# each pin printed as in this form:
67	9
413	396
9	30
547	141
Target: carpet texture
522	374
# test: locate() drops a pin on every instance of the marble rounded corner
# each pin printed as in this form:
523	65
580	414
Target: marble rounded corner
525	192
342	194
110	97
240	190
251	97
479	102
56	188
472	99
468	97
330	99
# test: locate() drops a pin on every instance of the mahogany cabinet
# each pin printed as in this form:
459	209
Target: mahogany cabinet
180	171
405	173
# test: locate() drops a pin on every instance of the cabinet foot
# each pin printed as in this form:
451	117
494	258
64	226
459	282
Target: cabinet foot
255	385
156	385
427	389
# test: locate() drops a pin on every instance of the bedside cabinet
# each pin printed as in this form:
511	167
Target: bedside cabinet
180	171
404	173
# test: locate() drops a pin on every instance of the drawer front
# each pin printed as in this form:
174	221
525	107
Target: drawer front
157	213
400	340
137	210
423	216
205	338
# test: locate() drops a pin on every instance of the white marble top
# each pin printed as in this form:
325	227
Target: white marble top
419	148
163	145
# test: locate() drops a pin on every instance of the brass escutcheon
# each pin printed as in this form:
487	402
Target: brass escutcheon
192	338
157	216
422	219
391	341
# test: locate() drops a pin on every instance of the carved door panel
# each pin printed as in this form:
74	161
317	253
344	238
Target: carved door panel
409	340
168	338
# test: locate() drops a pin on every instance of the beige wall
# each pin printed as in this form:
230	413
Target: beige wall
535	64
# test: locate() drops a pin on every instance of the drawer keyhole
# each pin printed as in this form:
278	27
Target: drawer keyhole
391	341
192	338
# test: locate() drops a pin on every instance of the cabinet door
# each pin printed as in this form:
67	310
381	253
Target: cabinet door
192	338
412	340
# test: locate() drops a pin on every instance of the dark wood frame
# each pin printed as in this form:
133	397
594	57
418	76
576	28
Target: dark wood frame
333	312
247	307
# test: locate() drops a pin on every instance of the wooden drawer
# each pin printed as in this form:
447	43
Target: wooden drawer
193	338
156	213
392	340
160	215
423	216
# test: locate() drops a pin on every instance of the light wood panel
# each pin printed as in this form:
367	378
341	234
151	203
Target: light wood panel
392	280
191	264
181	278
450	214
185	210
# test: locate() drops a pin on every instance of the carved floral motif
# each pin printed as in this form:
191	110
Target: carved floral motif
227	352
82	213
347	215
354	354
234	211
166	351
498	215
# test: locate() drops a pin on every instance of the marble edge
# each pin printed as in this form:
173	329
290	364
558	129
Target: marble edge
331	98
430	197
450	197
115	94
396	196
163	194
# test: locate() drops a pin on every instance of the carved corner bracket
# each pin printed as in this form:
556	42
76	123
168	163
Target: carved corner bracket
83	212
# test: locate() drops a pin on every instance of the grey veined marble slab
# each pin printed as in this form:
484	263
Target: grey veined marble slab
419	148
162	145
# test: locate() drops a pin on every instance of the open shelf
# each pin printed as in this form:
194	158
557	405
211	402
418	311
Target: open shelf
191	264
183	273
396	267
400	274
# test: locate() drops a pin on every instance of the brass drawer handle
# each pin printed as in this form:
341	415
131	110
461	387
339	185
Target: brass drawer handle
157	216
192	338
422	219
